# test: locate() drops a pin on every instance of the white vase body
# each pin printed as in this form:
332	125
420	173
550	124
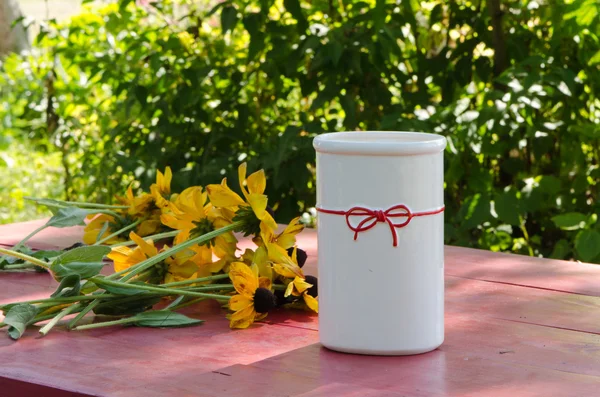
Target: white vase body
374	297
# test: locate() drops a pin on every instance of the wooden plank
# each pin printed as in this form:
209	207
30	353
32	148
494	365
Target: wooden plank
50	238
488	357
17	388
575	277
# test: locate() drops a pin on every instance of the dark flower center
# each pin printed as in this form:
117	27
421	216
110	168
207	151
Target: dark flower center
300	255
264	300
312	291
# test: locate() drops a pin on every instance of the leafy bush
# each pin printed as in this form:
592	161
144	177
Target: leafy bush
131	89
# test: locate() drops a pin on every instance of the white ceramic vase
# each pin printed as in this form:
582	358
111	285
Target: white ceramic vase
380	197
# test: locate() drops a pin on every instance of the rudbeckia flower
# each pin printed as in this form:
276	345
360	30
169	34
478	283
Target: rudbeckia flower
180	266
300	287
285	239
161	190
140	207
192	216
125	257
254	299
283	264
93	229
221	196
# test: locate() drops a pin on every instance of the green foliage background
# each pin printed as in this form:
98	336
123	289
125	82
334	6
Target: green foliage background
513	85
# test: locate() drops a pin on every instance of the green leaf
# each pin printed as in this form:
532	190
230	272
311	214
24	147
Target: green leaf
561	250
118	290
349	105
91	253
17	318
83	269
229	18
570	220
163	319
587	244
507	207
294	8
83	261
72	216
46	254
474	211
69	286
335	52
126	306
102	231
594	59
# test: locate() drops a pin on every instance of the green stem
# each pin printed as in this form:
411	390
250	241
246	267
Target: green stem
3	325
214	287
26	258
154	237
20	266
186	304
41	318
197	280
122	321
82	313
148	263
80	204
66	311
30	235
134	224
279	287
166	291
67	299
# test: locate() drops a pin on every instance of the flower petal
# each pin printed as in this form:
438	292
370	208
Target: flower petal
166	183
242	177
280	259
222	196
239	302
257	183
261	260
146	246
264	282
289	289
184	270
301	285
243	278
243	318
149	227
311	302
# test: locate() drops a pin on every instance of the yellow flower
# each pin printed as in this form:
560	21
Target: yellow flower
283	264
193	217
138	205
254	297
161	190
222	196
125	257
93	229
180	266
286	239
300	287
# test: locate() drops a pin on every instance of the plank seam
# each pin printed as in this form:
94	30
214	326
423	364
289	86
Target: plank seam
524	286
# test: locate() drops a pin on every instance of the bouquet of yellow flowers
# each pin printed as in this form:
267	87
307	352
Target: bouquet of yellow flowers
202	262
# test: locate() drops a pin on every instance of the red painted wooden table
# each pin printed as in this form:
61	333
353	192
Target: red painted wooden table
515	326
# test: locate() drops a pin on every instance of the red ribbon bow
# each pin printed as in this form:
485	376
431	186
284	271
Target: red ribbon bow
372	217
